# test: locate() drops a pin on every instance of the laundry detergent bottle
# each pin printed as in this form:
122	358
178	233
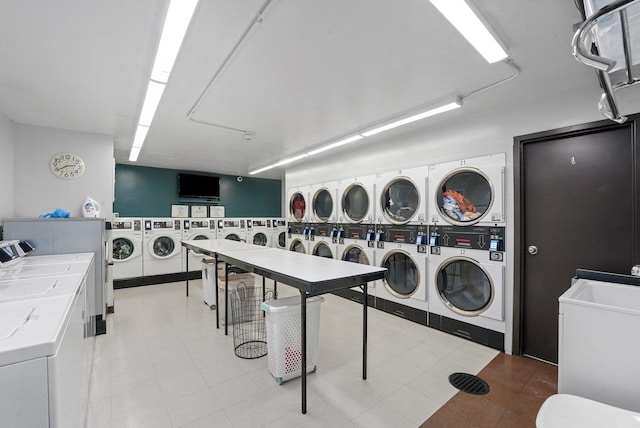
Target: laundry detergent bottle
90	208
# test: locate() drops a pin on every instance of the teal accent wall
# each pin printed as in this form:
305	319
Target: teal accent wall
142	191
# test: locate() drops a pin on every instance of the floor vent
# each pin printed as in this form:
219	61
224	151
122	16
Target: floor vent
469	383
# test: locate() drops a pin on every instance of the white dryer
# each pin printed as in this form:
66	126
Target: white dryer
467	192
466	284
356	200
321	244
353	247
401	196
324	202
162	247
197	229
127	247
259	231
279	236
405	282
298	204
234	229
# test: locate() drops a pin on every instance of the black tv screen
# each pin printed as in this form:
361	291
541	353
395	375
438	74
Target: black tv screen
198	186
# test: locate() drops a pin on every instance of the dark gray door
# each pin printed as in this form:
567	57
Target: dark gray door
577	212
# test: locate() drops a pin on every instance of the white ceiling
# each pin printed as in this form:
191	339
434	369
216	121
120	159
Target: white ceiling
306	73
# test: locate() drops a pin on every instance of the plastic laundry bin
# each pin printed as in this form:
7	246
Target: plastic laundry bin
208	282
283	336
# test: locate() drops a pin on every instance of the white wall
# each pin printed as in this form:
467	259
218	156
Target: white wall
452	136
7	135
38	191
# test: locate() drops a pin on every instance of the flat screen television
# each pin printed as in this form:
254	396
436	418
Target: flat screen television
198	186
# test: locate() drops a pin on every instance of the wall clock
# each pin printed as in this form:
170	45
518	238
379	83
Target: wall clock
66	165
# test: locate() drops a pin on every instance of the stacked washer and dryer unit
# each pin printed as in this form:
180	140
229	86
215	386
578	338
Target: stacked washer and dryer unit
399	243
467	259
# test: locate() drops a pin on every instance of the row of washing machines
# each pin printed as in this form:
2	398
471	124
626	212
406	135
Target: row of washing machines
151	246
438	229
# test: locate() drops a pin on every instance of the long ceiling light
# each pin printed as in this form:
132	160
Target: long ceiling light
174	29
369	131
472	28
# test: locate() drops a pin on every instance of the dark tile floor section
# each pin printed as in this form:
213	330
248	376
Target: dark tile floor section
519	386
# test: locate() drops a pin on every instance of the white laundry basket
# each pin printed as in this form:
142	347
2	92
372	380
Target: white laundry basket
283	336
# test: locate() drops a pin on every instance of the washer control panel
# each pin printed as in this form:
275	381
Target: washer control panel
489	238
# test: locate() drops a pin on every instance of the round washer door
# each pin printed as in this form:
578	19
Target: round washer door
402	277
260	239
163	247
232	237
199	238
400	200
282	240
464	196
355	203
322	205
297	206
297	246
355	254
123	249
464	286
322	250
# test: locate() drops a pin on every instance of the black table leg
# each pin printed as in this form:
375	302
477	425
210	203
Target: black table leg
226	298
275	289
215	284
187	269
303	342
364	331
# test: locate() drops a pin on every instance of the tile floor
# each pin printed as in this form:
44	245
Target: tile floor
164	364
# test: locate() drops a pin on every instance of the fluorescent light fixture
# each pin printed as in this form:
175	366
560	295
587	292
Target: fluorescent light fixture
431	112
141	134
175	27
151	102
471	27
289	160
133	155
334	145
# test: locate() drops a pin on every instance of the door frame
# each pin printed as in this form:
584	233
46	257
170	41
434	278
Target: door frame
519	243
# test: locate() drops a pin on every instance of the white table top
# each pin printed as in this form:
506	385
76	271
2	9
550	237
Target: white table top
309	273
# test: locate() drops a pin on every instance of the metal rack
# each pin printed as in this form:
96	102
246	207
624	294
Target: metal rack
595	45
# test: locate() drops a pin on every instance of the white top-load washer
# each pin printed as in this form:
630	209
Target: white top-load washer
127	247
45	354
162	247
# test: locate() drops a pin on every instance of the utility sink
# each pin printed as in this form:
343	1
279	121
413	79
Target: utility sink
599	343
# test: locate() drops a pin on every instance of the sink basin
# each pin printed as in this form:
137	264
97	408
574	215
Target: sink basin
604	294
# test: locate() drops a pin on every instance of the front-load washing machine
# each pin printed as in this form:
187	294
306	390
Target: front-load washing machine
466	282
197	229
356	200
297	238
399	250
298	244
354	248
468	192
234	229
162	247
279	237
127	247
259	231
324	202
321	244
402	196
298	204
